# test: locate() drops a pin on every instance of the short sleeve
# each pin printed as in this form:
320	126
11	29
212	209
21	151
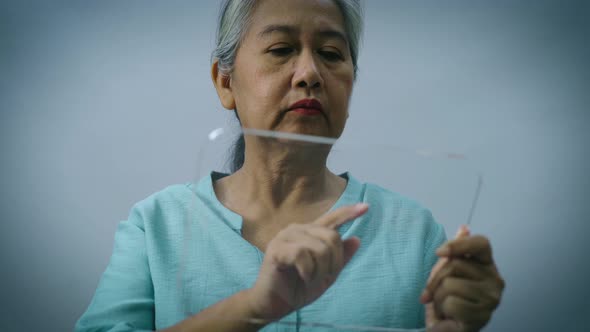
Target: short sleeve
124	299
434	237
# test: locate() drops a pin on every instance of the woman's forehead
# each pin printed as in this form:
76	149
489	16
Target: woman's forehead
293	17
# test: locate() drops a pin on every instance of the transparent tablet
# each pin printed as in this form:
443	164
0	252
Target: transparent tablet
379	288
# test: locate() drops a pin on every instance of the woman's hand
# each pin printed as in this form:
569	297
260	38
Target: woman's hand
464	287
302	262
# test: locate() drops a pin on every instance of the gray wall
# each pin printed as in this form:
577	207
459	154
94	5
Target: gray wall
105	102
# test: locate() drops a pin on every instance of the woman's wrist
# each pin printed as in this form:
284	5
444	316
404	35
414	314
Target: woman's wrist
258	311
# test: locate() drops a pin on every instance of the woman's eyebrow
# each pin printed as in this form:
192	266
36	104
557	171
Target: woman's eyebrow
291	30
286	29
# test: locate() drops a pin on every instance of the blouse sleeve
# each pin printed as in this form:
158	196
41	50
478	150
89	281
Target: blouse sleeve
435	236
124	299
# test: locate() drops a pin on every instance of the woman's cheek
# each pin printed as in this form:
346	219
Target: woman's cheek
345	76
348	81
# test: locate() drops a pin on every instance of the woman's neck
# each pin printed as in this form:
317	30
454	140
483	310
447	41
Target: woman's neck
275	187
271	184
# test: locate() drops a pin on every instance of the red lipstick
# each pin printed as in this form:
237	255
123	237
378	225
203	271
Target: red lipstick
307	107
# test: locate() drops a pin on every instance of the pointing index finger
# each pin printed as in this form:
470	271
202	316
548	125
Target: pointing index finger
342	215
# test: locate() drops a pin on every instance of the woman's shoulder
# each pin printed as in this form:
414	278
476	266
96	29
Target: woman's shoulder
165	208
171	205
170	196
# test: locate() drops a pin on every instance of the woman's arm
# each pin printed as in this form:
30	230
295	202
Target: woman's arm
308	257
124	298
235	313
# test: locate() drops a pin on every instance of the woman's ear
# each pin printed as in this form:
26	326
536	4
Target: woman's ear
222	84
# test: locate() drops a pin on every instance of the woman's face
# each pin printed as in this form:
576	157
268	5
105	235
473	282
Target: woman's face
293	50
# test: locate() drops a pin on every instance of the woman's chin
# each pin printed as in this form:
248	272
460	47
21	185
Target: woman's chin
311	127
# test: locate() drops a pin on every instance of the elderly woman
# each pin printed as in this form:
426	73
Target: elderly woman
288	240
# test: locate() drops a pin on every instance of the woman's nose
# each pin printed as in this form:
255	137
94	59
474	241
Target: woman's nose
307	74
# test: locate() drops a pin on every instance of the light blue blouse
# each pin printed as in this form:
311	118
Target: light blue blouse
181	251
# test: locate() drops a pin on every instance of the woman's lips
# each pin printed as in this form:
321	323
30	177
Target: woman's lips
308	107
307	111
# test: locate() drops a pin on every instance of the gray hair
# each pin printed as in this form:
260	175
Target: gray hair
233	22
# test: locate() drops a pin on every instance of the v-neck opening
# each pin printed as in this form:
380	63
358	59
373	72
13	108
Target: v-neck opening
351	194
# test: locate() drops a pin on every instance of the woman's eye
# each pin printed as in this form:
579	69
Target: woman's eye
281	51
331	56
